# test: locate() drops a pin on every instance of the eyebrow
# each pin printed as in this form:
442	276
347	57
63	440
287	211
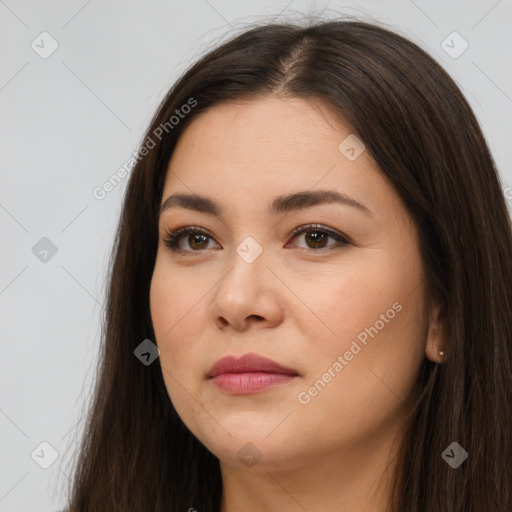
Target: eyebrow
281	204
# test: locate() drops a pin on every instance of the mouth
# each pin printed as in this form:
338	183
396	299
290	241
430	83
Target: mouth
248	374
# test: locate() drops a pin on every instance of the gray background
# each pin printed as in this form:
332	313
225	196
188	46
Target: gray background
70	120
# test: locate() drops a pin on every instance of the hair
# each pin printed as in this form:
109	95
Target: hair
136	453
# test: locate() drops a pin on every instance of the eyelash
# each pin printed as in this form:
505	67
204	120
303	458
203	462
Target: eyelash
172	239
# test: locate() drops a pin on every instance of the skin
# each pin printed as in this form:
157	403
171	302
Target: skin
297	304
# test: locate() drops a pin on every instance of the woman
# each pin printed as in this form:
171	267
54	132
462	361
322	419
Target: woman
248	362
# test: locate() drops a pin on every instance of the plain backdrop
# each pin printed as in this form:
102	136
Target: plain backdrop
72	114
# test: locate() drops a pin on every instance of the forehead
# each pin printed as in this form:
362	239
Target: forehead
252	151
289	127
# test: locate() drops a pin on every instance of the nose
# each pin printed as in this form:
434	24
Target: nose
247	294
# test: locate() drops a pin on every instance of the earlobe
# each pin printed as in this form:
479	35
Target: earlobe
435	348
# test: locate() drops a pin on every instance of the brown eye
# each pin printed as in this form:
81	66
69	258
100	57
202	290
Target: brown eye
195	239
316	238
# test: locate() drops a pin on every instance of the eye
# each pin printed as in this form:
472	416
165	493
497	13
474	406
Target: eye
197	239
316	236
195	236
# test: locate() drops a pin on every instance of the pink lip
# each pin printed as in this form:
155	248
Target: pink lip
250	373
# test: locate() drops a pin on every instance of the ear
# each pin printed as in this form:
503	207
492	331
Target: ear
436	336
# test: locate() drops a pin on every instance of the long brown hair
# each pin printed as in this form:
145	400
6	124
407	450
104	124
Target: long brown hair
137	454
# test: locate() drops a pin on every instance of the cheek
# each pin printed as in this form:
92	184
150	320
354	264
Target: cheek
342	302
371	314
362	380
162	301
166	312
173	296
376	296
177	313
176	306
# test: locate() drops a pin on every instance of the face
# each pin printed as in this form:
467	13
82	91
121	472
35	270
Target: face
330	289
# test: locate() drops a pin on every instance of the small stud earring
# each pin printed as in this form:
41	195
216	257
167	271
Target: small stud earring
441	353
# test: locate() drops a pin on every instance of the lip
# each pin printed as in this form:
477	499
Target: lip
248	363
250	373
